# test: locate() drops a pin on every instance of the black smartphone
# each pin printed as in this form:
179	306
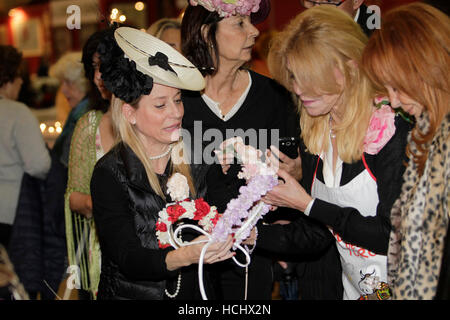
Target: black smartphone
289	146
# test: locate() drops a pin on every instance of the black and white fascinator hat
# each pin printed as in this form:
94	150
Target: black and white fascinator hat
132	60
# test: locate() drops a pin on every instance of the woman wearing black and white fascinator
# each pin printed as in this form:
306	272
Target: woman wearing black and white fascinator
128	184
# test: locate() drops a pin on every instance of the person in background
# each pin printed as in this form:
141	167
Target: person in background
93	136
128	185
416	78
218	38
39	233
355	8
353	148
168	30
75	87
22	147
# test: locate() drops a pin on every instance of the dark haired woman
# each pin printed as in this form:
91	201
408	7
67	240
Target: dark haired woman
218	39
92	138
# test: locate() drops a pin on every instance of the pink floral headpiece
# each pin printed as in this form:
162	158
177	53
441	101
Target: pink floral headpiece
228	8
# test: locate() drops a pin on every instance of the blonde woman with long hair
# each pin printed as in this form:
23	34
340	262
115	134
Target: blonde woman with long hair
352	155
128	184
417	80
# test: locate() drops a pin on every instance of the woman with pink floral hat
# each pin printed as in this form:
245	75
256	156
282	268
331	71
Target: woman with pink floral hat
218	37
352	156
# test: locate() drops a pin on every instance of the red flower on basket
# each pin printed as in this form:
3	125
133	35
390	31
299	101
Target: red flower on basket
161	226
175	212
183	208
202	209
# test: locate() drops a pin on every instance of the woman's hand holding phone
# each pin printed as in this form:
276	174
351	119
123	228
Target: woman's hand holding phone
279	160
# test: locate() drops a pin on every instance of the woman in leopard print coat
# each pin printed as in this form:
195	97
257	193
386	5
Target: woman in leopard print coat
409	55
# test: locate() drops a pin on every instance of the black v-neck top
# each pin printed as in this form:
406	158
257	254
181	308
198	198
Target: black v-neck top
268	106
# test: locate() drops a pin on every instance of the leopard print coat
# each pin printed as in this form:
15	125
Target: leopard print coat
420	217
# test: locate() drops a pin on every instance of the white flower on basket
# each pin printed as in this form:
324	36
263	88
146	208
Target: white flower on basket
190	209
177	187
163	237
183	207
163	213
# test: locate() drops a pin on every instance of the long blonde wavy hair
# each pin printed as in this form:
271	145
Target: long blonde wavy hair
313	45
127	133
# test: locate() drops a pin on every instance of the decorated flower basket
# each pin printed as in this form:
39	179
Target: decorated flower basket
239	218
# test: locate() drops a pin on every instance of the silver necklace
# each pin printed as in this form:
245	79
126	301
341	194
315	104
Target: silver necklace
165	153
